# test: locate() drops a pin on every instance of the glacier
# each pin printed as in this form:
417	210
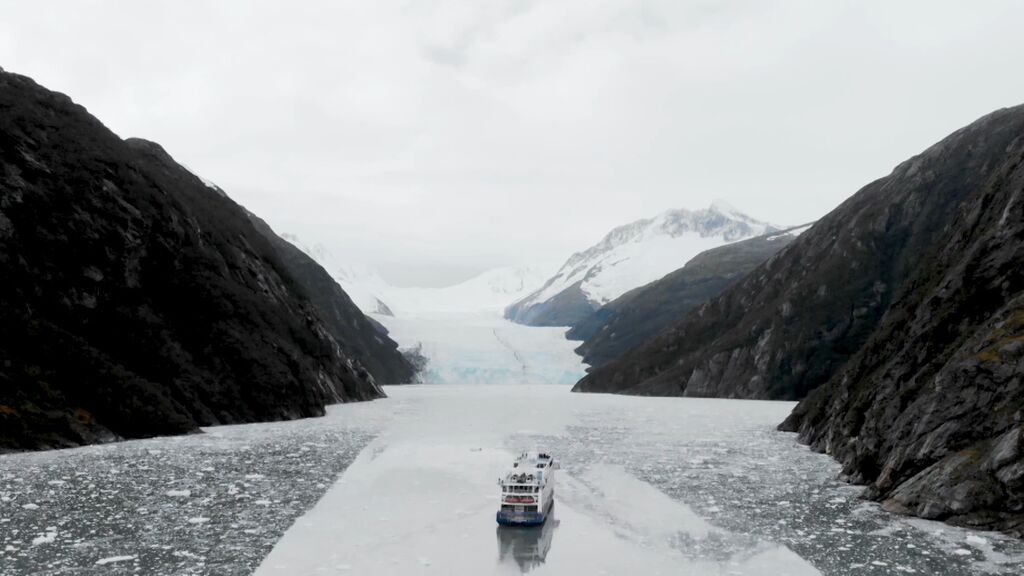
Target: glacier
466	340
460	329
484	348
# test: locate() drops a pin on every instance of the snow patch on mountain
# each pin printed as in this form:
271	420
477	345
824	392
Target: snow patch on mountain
794	232
362	283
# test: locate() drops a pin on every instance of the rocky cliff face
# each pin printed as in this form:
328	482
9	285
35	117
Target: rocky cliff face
361	338
628	257
793	322
136	300
930	412
631	319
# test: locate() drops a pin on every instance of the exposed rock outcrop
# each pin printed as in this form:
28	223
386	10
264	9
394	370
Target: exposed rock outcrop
930	412
135	299
792	323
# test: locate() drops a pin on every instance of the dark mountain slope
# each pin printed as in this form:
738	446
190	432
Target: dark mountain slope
563	309
361	338
639	314
789	325
930	412
136	301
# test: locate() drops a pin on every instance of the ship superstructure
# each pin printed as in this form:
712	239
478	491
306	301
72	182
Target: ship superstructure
528	490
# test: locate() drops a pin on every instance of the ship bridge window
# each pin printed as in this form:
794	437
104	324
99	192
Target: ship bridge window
522	489
518	508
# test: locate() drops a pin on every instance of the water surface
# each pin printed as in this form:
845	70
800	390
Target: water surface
408	485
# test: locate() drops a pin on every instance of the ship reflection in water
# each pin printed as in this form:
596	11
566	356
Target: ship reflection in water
526	546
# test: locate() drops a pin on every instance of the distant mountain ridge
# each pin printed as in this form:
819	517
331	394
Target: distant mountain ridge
631	319
491	289
631	256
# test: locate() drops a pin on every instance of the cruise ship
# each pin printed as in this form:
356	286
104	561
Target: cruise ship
528	490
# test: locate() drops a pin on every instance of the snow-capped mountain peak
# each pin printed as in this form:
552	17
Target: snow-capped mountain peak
724	207
514	280
633	255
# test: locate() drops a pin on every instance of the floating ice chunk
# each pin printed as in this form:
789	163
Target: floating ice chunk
974	539
178	493
198	520
262	502
30	506
114	559
47	538
186	554
962	552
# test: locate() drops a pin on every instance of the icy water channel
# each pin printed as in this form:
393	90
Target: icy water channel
408	486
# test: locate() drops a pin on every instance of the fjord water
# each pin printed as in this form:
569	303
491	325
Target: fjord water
647	486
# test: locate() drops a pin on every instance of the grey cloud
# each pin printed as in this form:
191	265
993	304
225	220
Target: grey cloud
437	139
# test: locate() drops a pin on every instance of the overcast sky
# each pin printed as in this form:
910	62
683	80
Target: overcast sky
434	139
